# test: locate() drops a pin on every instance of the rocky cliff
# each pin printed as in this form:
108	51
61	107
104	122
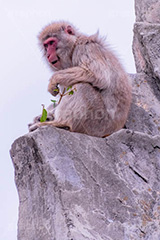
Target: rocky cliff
75	187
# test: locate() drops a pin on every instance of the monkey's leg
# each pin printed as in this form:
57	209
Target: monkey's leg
51	123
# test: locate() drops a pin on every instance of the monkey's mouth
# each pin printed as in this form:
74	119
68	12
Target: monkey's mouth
55	61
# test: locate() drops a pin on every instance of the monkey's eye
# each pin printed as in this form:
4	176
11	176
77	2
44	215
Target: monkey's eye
45	46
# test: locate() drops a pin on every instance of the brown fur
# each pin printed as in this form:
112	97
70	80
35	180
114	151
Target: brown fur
101	103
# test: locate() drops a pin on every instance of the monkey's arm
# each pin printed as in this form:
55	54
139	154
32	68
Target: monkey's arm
71	76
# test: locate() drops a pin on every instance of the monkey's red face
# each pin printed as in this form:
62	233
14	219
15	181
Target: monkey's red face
50	45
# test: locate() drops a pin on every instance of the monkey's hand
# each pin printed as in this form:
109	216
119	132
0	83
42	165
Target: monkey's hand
53	87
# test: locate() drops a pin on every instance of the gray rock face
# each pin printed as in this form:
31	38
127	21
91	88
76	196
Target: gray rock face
144	114
146	49
145	110
147	11
76	187
146	38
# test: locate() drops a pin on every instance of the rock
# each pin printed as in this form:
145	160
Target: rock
76	187
146	49
145	110
146	38
144	114
147	11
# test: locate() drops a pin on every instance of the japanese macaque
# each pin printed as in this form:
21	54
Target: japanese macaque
101	102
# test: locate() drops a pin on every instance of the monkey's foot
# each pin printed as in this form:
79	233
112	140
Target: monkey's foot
33	127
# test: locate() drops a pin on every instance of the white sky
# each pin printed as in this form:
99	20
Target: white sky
24	75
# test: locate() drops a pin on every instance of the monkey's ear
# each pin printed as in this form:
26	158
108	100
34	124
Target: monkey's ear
69	30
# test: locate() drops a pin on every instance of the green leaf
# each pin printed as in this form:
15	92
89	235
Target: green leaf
44	115
71	92
54	103
69	88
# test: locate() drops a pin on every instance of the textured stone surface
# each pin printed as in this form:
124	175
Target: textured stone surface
146	38
76	187
144	114
145	110
146	47
147	11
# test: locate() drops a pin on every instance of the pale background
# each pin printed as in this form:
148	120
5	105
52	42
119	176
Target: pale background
24	75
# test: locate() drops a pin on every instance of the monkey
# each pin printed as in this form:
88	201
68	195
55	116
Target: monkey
101	102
